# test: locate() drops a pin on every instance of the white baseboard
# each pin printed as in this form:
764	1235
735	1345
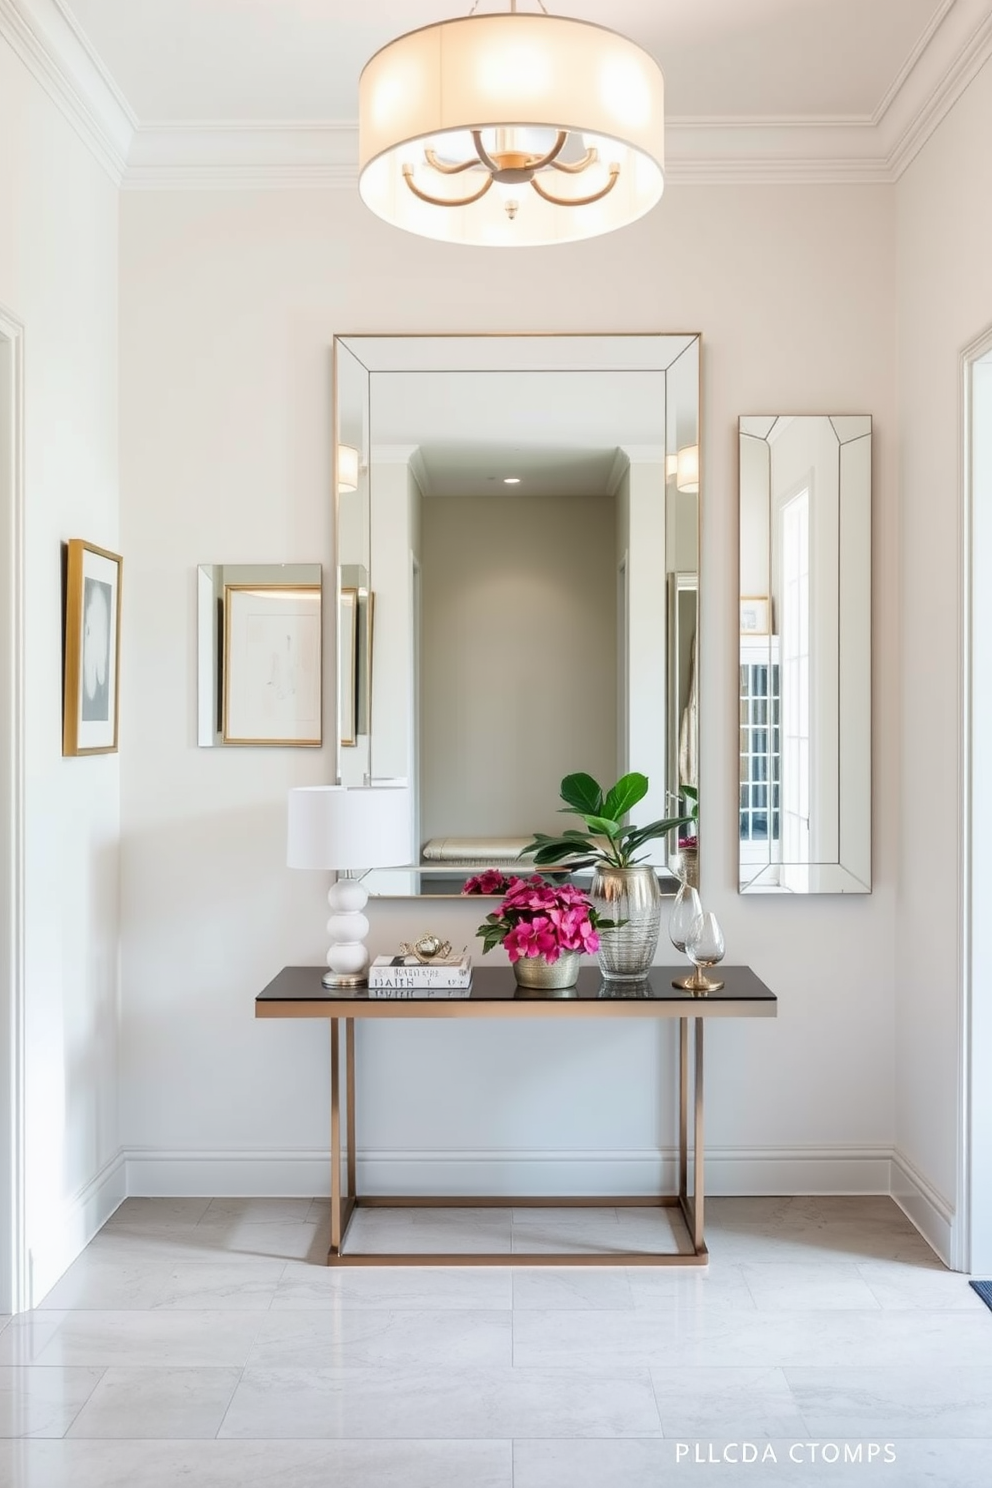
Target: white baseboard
50	1255
300	1173
928	1210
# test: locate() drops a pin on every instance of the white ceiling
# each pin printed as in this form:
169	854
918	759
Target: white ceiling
557	431
456	470
299	60
262	94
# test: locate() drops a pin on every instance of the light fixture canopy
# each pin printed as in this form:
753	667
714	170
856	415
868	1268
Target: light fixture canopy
512	129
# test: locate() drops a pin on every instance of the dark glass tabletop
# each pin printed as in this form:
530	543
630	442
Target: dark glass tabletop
494	987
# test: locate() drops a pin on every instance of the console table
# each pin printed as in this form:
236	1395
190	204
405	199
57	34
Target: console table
297	993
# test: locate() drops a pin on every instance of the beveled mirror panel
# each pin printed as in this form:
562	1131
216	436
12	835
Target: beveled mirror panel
804	821
279	653
526	512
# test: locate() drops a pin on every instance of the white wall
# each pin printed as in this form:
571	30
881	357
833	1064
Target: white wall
229	302
518	629
944	218
58	276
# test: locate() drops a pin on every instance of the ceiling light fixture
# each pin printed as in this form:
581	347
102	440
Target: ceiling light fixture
513	129
511	480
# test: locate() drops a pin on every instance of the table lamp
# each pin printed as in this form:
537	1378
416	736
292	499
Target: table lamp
350	829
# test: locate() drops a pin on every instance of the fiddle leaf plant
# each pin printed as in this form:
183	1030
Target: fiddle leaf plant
605	839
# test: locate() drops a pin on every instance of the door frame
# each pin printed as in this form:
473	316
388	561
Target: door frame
971	1228
13	1249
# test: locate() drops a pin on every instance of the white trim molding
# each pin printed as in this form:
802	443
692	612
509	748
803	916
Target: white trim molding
305	1172
968	1247
49	42
920	1202
14	1281
83	1215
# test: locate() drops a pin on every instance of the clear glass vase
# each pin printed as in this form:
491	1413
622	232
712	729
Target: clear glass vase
632	895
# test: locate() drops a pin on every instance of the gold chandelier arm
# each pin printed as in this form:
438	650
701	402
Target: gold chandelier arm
484	157
436	163
440	201
577	166
578	201
534	162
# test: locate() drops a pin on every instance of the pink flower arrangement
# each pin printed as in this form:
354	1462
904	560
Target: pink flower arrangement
537	918
490	881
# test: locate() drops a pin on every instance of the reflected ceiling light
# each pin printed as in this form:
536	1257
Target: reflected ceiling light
511	129
511	480
347	468
687	469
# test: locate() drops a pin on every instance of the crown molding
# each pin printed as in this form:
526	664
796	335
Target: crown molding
45	37
959	49
243	155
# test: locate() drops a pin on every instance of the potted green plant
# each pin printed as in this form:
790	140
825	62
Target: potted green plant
624	888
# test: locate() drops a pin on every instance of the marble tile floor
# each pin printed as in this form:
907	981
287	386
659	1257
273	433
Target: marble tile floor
203	1343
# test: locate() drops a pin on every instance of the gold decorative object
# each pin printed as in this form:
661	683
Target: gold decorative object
428	948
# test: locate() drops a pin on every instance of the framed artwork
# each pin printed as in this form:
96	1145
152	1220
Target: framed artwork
272	664
348	667
91	699
756	614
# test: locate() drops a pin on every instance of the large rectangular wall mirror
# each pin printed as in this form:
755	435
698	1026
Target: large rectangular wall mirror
805	655
524	510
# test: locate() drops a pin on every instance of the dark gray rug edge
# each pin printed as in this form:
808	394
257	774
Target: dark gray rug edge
984	1290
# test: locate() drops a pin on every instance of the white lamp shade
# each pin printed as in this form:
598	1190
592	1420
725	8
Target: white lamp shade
687	469
347	467
432	87
349	827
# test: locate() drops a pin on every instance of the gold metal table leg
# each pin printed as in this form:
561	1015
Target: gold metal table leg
349	1035
698	1148
689	1204
335	1139
683	1109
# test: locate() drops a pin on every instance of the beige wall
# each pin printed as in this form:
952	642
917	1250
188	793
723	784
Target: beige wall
229	301
58	277
519	637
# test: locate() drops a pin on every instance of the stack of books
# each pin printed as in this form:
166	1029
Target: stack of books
398	973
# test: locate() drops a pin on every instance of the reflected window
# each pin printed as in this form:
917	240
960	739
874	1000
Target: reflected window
794	517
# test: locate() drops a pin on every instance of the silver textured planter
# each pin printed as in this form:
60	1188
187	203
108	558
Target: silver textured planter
534	971
634	895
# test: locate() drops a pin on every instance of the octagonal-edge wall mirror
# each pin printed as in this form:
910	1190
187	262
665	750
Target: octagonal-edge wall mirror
804	696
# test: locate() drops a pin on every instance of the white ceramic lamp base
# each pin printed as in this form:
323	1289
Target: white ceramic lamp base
347	928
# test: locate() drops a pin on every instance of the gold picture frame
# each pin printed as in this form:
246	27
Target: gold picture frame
91	695
756	614
272	665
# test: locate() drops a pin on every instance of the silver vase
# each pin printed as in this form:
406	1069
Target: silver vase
534	971
633	895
